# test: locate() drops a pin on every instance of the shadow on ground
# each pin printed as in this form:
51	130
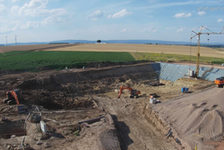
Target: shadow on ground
123	133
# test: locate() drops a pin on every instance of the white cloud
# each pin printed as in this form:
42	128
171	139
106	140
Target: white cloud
14	1
201	13
220	20
14	9
120	14
33	14
124	30
52	19
180	29
169	4
30	24
35	8
182	15
2	7
150	29
96	15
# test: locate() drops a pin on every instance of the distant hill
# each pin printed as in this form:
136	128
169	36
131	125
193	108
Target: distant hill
123	42
154	42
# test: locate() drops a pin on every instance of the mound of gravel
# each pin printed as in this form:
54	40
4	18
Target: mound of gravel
197	118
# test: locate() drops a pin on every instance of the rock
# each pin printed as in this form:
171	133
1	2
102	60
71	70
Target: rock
39	143
35	118
13	136
47	145
8	146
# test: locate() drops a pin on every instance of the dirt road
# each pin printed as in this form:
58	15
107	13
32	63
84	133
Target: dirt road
135	131
37	47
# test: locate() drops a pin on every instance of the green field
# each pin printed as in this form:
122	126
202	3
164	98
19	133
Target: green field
35	61
44	60
176	58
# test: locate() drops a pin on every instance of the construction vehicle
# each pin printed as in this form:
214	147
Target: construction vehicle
13	97
219	82
133	93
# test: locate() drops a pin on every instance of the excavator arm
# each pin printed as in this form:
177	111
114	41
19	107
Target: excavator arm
12	95
123	88
132	92
15	97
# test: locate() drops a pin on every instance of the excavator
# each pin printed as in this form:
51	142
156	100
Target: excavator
133	93
219	82
12	97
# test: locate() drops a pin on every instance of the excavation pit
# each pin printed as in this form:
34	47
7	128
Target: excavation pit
73	95
67	89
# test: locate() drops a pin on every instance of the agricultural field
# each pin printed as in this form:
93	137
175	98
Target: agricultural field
59	56
145	48
54	59
176	58
36	47
42	60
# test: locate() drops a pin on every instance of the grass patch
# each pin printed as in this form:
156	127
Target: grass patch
175	58
35	61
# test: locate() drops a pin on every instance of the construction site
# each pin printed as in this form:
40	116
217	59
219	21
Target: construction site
127	107
111	75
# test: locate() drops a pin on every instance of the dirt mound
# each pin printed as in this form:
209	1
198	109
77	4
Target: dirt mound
197	118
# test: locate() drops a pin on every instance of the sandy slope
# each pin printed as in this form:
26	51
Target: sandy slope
197	118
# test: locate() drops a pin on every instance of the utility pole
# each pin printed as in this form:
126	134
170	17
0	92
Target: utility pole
198	34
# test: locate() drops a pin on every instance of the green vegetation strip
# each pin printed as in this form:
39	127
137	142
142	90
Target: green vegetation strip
175	58
35	61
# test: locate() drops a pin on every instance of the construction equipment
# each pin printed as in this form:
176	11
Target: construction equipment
133	93
198	35
219	82
13	97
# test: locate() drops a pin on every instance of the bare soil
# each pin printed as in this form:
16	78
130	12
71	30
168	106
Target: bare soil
68	97
198	118
37	47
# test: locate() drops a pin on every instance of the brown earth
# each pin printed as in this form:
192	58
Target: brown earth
197	119
69	96
37	47
165	49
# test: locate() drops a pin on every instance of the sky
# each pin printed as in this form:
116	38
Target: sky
49	20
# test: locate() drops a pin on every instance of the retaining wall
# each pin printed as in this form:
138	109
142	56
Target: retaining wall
174	72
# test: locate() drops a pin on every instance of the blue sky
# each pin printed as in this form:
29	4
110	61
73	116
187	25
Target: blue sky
48	20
